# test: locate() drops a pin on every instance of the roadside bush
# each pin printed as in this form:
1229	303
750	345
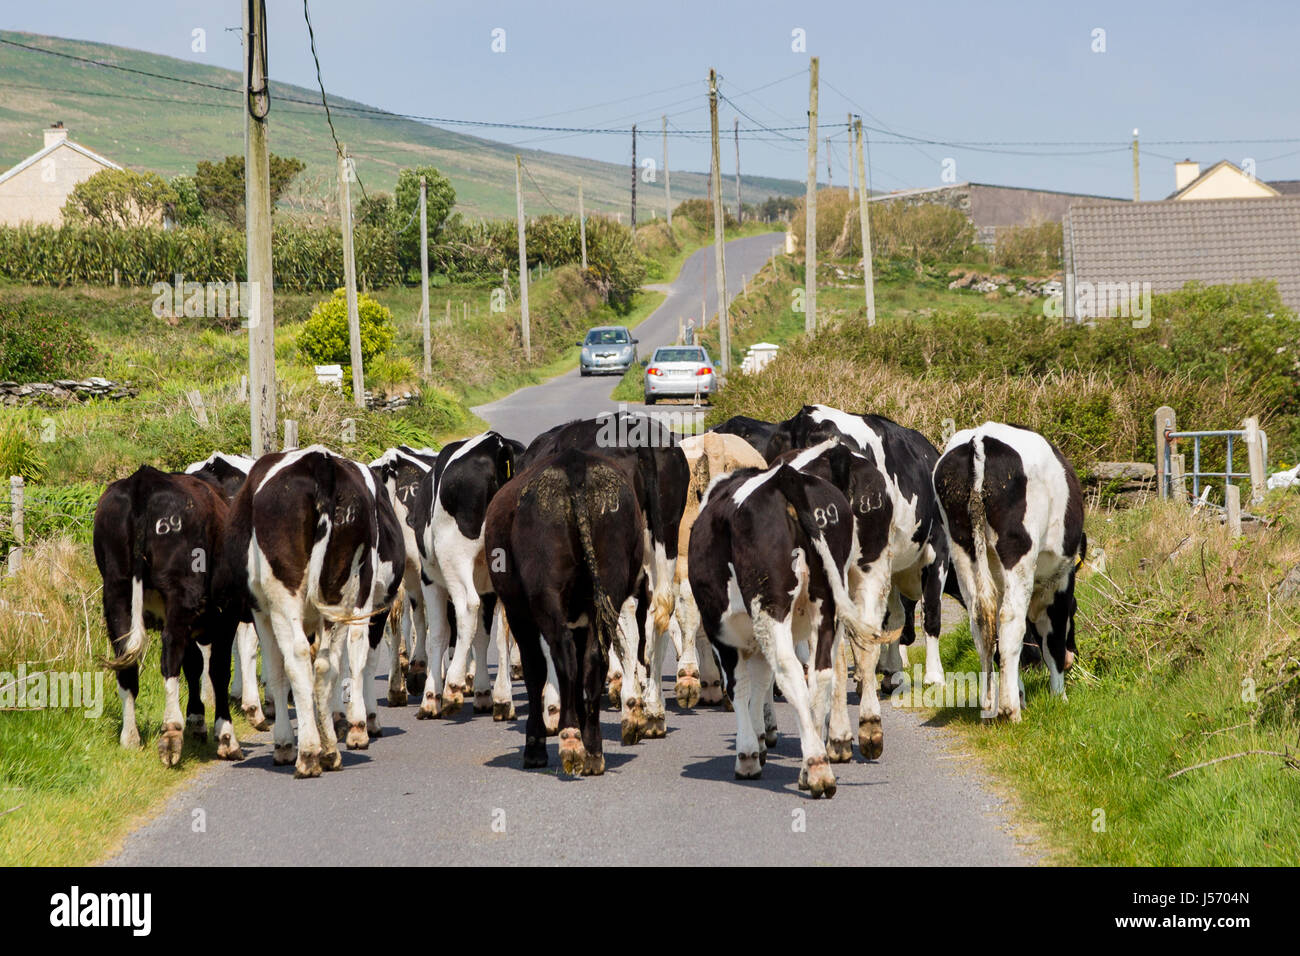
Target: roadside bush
699	212
917	233
1032	248
36	346
324	337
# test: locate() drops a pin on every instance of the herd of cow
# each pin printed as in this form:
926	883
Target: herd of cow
772	555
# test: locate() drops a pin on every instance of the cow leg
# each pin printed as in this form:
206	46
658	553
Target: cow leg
614	676
399	664
503	705
839	747
227	743
1018	584
535	665
277	687
205	679
128	689
770	729
482	681
656	644
194	663
287	628
175	644
871	738
516	661
331	641
632	724
564	648
435	646
590	687
711	689
683	628
417	670
246	677
117	617
776	640
752	675
361	670
550	692
468	625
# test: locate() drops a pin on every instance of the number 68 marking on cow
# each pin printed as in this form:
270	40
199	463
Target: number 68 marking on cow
828	515
167	525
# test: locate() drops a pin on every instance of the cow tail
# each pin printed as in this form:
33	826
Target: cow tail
606	622
986	598
791	485
137	639
661	597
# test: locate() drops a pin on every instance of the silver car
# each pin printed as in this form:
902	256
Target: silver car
679	371
607	348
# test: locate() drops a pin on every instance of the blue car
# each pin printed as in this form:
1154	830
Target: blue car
608	349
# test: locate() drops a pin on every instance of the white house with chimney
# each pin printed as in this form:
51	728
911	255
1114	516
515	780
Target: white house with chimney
1223	180
36	189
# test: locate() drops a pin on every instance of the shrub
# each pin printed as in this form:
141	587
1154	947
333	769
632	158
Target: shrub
699	212
35	346
1032	248
324	337
919	233
19	453
120	197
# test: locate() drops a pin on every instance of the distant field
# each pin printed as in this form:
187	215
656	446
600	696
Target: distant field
146	123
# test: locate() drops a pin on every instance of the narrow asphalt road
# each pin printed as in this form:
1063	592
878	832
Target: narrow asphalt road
454	791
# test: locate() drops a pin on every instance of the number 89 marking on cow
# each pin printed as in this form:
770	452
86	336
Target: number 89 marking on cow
167	525
828	515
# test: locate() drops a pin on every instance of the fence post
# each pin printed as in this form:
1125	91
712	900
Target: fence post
16	511
1255	455
1232	497
196	403
1176	482
290	434
1166	420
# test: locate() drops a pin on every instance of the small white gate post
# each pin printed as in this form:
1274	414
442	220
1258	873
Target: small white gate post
16	511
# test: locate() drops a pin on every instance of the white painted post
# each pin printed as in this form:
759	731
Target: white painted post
196	403
290	434
1255	455
16	512
1232	496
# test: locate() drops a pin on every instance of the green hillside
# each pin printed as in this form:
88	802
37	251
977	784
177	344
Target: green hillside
147	123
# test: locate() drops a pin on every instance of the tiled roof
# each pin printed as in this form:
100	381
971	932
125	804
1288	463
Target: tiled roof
1171	242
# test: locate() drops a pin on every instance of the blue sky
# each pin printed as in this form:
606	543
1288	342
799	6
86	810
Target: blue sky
958	72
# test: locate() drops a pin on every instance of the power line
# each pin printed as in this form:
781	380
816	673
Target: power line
529	173
352	166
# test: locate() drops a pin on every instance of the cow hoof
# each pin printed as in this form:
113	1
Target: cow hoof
573	756
687	689
453	699
308	765
654	728
633	725
331	760
268	709
534	752
358	738
594	765
197	728
818	777
839	751
284	754
372	726
431	707
770	736
130	738
762	754
615	691
516	671
503	710
169	745
256	718
890	683
228	748
727	705
871	739
415	677
482	702
748	766
397	695
340	726
552	720
711	693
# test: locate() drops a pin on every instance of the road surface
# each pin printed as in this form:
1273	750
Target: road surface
454	791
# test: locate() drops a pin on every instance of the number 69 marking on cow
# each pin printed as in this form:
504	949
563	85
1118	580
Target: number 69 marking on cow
167	525
828	515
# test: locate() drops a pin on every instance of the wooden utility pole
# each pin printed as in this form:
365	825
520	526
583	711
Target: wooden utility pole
582	227
851	168
350	282
810	209
719	232
634	179
424	277
868	272
1137	190
257	232
523	260
668	189
740	213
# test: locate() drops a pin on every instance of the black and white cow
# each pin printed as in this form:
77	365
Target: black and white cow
647	453
449	506
1014	513
570	536
871	575
314	552
227	473
769	561
918	545
399	471
157	542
